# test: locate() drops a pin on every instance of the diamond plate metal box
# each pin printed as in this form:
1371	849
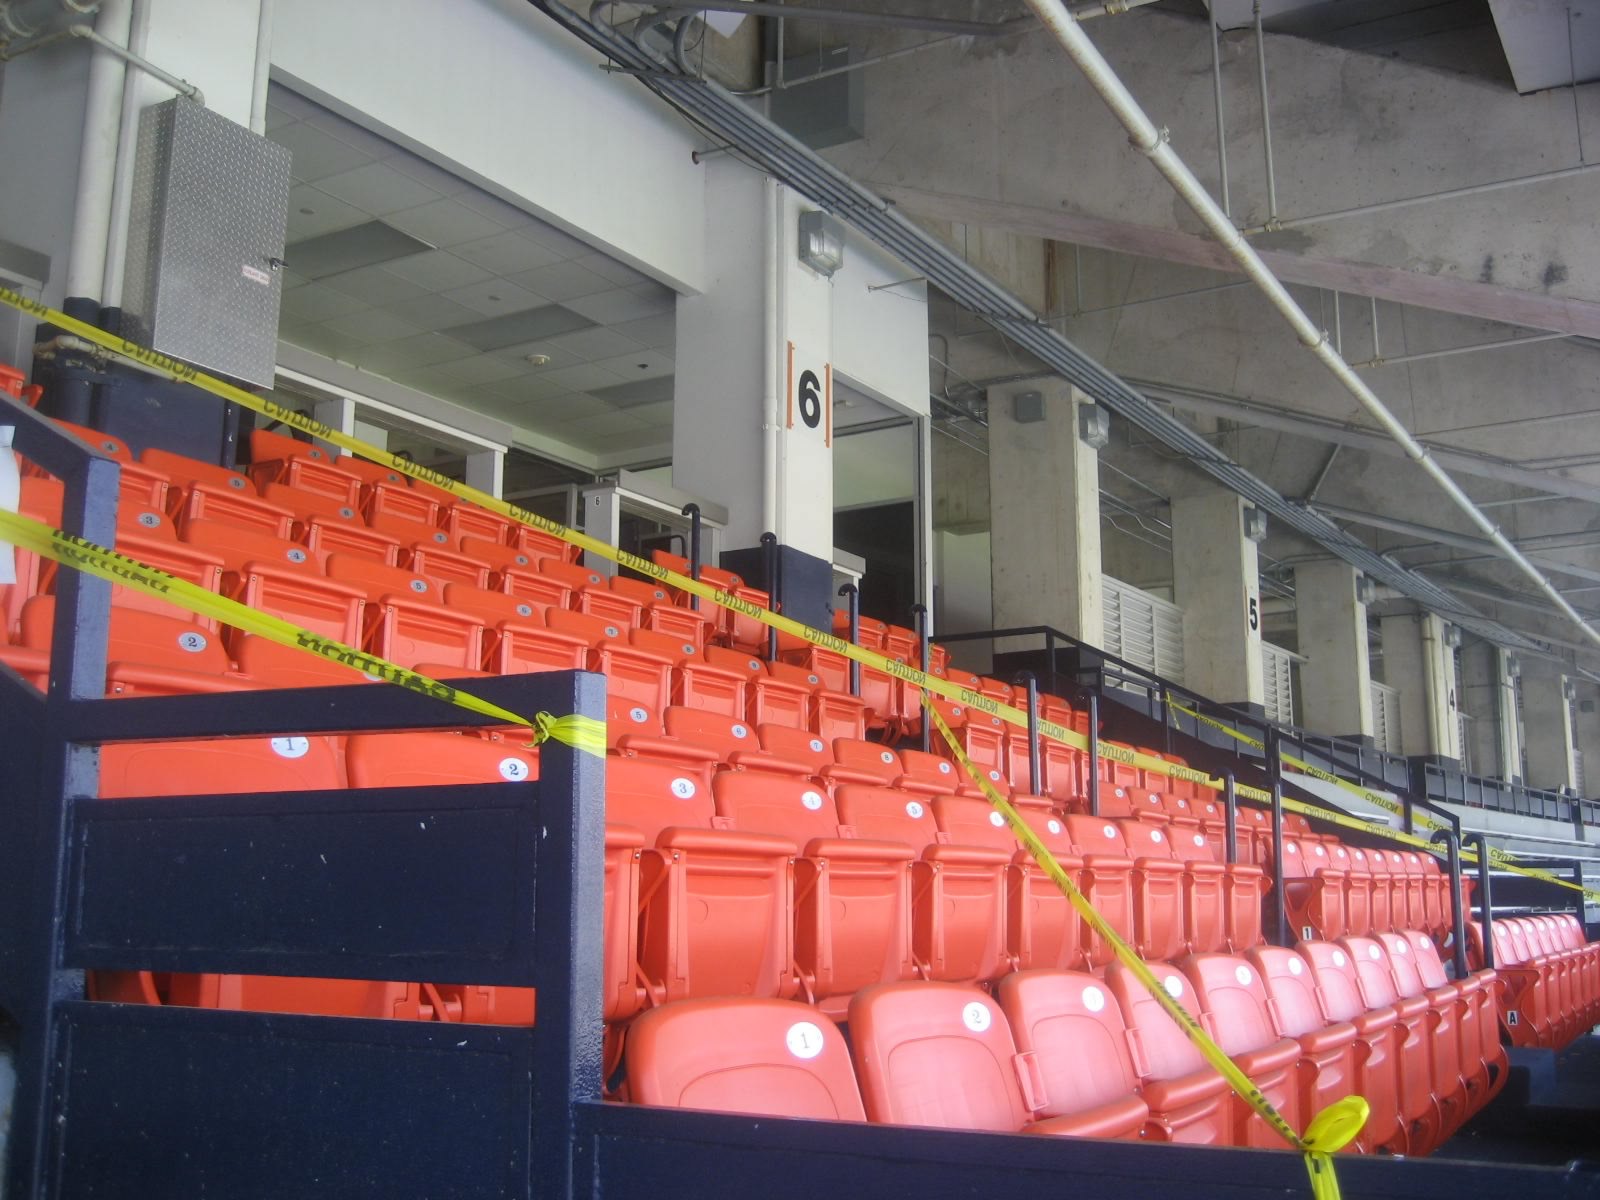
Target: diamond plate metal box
205	241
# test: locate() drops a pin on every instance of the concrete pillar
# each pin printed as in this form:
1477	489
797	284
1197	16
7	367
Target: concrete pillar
1488	695
1547	724
1418	663
1586	730
1331	623
1217	584
754	416
1044	511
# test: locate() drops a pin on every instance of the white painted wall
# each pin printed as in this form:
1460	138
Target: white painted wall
880	338
494	90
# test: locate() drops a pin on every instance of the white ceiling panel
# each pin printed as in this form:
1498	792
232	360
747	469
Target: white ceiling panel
316	155
438	271
375	286
563	281
624	304
433	312
588	345
583	378
445	222
318	302
507	253
658	331
313	212
420	351
377	188
494	297
373	325
639	364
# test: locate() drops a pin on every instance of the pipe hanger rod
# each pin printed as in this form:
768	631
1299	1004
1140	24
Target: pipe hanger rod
1155	144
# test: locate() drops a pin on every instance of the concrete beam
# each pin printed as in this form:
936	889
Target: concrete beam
1444	293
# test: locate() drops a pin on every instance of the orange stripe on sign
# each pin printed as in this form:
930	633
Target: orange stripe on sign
789	387
827	401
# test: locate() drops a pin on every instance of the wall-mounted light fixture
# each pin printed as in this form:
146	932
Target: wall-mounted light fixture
1094	426
1366	589
1255	524
1452	636
821	242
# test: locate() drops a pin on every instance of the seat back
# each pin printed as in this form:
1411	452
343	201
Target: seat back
972	822
760	1057
1162	1049
435	760
794	745
1291	989
1334	974
760	802
884	814
220	766
1372	970
651	795
1233	996
936	1054
863	758
1075	1032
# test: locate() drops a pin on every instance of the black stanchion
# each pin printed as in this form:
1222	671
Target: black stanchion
852	596
692	511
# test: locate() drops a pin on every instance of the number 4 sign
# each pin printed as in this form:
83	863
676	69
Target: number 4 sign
810	393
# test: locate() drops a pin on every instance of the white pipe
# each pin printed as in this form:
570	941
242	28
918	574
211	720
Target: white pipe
1154	144
1455	350
1222	132
181	86
263	68
122	179
1266	118
97	157
772	401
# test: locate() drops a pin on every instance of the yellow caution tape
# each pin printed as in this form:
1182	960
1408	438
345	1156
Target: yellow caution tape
581	733
1501	859
1333	1127
171	368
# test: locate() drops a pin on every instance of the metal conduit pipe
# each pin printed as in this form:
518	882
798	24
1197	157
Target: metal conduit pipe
880	20
1154	143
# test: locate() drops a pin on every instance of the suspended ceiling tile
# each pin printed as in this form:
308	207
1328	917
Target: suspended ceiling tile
439	271
507	253
433	312
424	172
313	212
564	244
659	331
322	340
316	155
377	188
318	302
351	134
375	285
445	222
507	216
636	393
562	281
623	304
523	325
658	414
277	118
296	105
609	268
588	345
639	364
609	424
570	406
527	389
584	378
420	351
372	325
370	244
494	298
519	354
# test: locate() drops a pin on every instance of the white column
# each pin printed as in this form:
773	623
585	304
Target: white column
486	471
1044	511
753	422
1547	724
1586	731
1418	663
1488	695
1331	622
1217	584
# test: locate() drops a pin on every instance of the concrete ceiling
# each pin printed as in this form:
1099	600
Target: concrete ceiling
425	317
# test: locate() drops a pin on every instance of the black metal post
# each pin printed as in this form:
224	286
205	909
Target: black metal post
692	511
1028	679
1480	845
1166	718
1275	770
852	596
1094	754
1230	800
1458	919
769	543
919	618
1050	658
1576	805
1410	816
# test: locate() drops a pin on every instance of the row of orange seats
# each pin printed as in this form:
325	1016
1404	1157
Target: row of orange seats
1550	976
1332	889
1078	1054
248	765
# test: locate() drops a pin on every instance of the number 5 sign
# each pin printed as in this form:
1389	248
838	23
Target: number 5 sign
810	393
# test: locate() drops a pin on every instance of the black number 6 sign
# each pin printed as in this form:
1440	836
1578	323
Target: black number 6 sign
810	397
